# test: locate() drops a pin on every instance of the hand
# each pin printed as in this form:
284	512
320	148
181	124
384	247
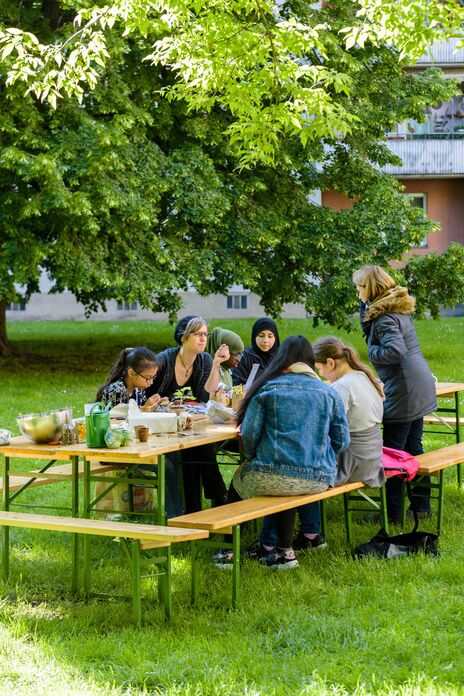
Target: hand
151	403
222	354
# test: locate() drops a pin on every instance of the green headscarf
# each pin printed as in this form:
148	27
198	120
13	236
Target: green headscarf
216	338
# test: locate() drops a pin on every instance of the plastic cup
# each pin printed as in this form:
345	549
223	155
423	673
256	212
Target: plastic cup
142	433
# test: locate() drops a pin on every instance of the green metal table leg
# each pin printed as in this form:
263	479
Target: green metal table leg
194	573
441	498
235	566
75	513
348	516
162	517
458	435
87	538
383	507
136	598
6	530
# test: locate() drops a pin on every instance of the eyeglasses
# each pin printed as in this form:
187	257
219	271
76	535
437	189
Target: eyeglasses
201	334
237	355
147	379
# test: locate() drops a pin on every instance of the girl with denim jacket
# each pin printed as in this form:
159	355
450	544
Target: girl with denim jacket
292	427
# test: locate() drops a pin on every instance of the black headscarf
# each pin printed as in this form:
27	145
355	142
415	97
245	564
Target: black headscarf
264	324
180	328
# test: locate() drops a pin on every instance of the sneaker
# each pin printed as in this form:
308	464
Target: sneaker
421	514
223	559
302	543
256	551
113	517
278	561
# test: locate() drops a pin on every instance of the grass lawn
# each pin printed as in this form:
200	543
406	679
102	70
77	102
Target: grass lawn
333	626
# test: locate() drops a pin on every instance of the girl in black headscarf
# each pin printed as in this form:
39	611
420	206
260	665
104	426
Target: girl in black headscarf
265	343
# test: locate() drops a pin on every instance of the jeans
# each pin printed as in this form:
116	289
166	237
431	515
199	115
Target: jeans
310	523
406	437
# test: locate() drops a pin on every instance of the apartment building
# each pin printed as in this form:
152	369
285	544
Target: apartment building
432	155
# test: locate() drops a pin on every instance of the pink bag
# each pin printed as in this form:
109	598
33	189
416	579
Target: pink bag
398	463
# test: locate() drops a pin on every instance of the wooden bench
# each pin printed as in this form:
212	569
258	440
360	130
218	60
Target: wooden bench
227	519
434	464
156	536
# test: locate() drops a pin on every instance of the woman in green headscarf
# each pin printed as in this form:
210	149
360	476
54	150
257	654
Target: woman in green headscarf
217	338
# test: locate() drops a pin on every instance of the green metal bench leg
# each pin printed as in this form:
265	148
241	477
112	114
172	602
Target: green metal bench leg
136	598
165	583
161	517
440	498
6	530
235	566
323	514
194	573
383	507
348	518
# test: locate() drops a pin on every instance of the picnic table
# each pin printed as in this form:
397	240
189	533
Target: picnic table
90	463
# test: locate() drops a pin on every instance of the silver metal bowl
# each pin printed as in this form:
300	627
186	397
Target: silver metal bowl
46	426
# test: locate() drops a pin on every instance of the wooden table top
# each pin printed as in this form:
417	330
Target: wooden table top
448	388
157	445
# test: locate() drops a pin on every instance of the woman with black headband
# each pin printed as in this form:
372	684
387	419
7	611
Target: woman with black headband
188	365
265	343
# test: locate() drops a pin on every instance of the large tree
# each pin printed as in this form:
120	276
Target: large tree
156	180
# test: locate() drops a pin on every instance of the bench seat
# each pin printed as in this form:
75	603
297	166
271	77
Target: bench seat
158	537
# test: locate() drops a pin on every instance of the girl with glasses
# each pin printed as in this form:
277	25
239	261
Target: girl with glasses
134	370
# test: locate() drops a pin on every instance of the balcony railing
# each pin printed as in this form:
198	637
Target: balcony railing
445	120
428	157
443	54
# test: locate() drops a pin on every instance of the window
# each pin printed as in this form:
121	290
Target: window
237	301
127	306
16	307
419	200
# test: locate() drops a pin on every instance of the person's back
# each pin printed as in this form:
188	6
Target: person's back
294	426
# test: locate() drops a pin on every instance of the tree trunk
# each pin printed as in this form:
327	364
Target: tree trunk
6	348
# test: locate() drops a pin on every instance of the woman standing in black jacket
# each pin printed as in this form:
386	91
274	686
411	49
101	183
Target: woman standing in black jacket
409	386
189	366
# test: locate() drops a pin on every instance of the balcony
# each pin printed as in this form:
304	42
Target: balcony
443	54
440	157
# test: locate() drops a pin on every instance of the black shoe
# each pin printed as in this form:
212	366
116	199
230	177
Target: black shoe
256	551
279	561
302	543
421	514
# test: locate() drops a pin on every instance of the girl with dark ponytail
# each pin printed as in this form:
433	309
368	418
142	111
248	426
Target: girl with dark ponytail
134	370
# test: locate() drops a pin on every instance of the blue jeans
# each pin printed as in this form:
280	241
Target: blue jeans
310	523
406	437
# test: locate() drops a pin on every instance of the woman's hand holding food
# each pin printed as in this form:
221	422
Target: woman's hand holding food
221	355
151	403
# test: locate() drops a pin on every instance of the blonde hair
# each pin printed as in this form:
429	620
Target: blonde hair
374	279
193	325
332	347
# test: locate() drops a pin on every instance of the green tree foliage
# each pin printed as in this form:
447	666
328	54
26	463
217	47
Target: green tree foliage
133	191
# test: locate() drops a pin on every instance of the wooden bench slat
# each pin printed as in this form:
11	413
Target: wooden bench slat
441	420
100	527
245	510
433	462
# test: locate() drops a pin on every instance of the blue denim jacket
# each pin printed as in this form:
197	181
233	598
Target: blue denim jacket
294	426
